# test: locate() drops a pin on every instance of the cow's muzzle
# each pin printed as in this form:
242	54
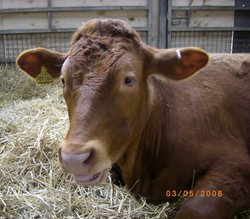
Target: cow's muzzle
89	166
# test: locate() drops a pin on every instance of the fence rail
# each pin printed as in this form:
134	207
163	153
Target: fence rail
216	28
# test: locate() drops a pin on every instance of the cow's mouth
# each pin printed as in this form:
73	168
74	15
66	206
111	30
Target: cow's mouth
89	180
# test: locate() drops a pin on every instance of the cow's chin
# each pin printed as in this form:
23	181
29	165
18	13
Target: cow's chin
89	180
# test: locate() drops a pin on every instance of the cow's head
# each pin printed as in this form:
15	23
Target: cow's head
105	76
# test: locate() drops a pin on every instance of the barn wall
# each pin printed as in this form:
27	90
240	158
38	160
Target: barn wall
242	20
68	14
209	24
49	23
204	23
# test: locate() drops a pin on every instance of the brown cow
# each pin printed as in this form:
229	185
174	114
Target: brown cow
131	105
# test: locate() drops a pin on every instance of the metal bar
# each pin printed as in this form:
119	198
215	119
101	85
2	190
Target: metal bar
169	27
49	15
139	29
4	49
206	8
210	29
163	23
179	17
37	31
64	9
149	3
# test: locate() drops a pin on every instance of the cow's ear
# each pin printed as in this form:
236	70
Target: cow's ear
38	60
179	64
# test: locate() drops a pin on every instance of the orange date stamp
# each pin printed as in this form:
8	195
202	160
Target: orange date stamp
194	193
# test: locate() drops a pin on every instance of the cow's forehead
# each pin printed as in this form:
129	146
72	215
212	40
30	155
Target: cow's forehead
98	55
105	27
96	47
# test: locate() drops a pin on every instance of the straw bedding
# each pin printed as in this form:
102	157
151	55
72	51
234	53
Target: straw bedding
33	120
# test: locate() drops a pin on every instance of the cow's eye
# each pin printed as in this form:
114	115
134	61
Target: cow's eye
63	81
129	80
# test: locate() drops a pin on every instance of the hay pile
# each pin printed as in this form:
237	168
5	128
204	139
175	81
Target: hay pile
33	120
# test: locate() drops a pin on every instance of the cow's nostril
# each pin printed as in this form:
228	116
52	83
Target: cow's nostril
75	157
73	162
88	159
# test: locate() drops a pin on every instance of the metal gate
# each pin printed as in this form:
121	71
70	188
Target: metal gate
26	24
214	25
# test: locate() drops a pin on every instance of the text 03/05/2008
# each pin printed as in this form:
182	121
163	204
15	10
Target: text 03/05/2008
194	193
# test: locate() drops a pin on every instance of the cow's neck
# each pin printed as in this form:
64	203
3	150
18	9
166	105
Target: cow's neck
154	140
138	164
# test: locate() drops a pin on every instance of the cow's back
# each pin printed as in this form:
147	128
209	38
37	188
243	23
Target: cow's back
217	99
229	79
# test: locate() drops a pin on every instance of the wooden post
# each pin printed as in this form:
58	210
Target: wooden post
163	23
